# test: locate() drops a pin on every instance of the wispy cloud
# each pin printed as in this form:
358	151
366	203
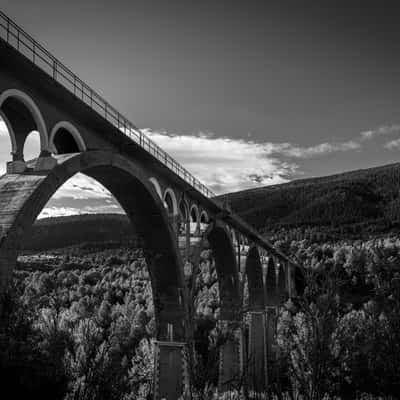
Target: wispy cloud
380	131
82	187
393	144
289	150
223	164
226	164
54	211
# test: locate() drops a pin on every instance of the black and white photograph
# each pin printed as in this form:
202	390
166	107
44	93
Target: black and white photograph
199	200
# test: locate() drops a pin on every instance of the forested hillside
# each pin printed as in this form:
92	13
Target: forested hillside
355	202
51	233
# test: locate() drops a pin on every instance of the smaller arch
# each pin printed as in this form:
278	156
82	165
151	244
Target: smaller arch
170	202
204	219
194	213
157	187
183	216
36	115
71	139
194	219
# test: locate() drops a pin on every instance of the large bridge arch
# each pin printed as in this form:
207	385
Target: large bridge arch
22	115
22	197
254	274
220	242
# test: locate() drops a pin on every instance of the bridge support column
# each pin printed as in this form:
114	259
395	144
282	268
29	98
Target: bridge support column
16	167
45	163
271	327
171	370
231	358
257	354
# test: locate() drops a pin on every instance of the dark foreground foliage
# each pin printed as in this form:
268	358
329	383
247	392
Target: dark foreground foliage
78	325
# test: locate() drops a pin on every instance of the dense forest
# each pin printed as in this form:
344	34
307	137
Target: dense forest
51	233
358	203
79	321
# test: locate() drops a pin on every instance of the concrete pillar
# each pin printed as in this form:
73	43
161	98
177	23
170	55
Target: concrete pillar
231	358
45	163
16	167
171	370
271	326
257	354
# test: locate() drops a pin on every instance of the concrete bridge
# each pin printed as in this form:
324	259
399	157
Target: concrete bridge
174	214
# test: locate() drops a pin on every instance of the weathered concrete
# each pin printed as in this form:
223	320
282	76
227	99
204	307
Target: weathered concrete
271	322
23	196
257	353
171	379
231	358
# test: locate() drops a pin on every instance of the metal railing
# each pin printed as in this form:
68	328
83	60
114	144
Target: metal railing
15	36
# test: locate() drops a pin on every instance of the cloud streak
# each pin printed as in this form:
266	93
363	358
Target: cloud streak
393	144
224	164
380	131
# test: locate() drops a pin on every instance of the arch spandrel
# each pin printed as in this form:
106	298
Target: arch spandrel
22	198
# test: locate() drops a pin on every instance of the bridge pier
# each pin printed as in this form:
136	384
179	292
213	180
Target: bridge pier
171	370
16	167
231	358
257	353
271	327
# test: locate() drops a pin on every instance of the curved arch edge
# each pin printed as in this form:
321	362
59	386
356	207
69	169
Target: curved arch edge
68	126
36	114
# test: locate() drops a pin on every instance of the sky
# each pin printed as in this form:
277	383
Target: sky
243	94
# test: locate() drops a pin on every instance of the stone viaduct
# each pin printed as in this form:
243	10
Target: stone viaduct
175	215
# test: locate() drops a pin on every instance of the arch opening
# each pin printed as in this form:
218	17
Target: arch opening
22	116
194	214
145	212
32	146
64	142
170	202
5	144
66	139
226	267
255	283
204	218
183	213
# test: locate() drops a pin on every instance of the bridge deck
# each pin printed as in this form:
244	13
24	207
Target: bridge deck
15	36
